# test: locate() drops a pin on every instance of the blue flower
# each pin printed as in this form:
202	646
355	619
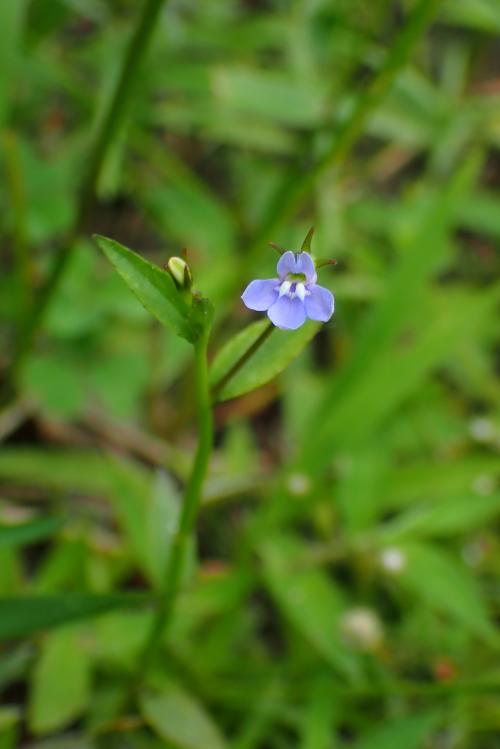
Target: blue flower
293	297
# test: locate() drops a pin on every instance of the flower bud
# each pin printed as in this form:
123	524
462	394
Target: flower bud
393	560
181	273
362	628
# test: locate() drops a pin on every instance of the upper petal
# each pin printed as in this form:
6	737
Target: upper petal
287	313
305	264
286	264
260	295
319	303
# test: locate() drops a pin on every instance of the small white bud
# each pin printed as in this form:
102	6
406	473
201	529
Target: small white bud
484	484
393	560
473	553
362	628
482	429
299	484
180	272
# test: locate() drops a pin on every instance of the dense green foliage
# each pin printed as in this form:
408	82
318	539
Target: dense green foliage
342	588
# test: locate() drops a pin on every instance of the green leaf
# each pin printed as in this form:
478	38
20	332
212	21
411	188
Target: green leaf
180	720
71	471
23	616
481	14
444	518
443	582
271	358
14	664
410	732
308	598
56	470
162	516
322	713
381	371
267	94
360	484
12	17
130	494
10	720
28	533
153	287
118	637
443	480
353	418
55	384
60	686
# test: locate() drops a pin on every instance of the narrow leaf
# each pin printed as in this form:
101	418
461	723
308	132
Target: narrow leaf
162	516
10	720
28	533
271	358
410	732
444	518
23	616
308	599
180	720
363	406
444	583
60	687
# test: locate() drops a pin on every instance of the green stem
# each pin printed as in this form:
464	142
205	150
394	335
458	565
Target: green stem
190	505
109	126
219	386
298	185
17	194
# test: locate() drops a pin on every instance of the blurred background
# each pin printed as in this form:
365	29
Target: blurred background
347	592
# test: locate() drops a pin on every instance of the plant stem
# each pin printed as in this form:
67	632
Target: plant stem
190	505
300	182
14	179
219	386
109	126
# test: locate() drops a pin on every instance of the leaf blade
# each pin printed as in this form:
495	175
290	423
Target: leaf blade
60	688
23	616
444	583
30	532
152	286
308	599
268	361
179	719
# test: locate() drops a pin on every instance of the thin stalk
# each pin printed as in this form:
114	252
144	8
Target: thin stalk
16	193
190	505
219	386
299	184
110	123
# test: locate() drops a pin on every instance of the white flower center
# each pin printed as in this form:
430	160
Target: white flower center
299	290
285	288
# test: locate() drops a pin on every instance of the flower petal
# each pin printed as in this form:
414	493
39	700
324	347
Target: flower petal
319	303
286	264
287	313
305	264
260	295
